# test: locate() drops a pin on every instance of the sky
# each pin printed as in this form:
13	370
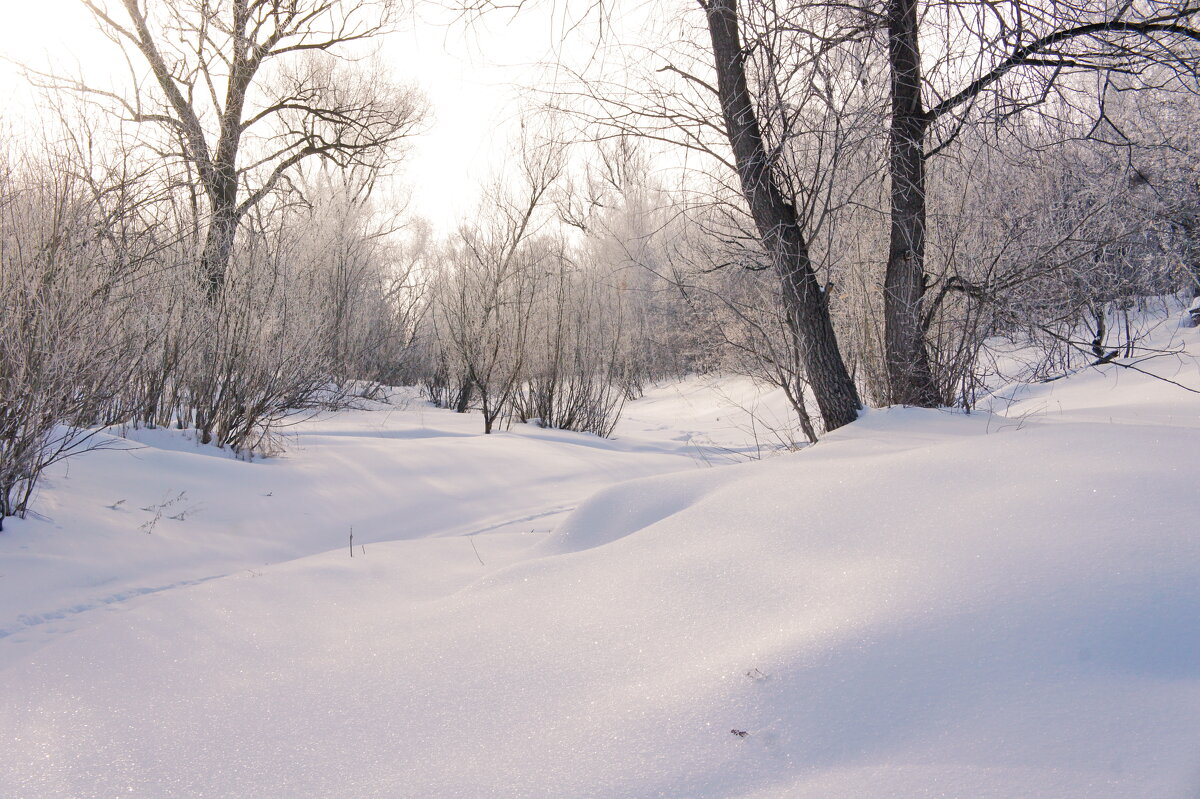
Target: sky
471	75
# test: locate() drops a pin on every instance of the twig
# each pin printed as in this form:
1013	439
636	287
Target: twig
1156	377
471	538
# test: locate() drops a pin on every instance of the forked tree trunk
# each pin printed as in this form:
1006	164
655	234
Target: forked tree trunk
778	226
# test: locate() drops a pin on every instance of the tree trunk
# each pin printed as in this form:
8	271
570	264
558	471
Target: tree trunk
779	227
218	251
462	402
222	190
910	379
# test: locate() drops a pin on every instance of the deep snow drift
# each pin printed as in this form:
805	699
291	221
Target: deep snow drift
925	604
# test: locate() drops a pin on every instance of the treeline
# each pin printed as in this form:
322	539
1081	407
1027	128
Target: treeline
108	318
568	292
328	296
820	122
552	305
221	265
1045	248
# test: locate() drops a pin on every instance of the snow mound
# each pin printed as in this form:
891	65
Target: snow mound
625	508
924	604
992	612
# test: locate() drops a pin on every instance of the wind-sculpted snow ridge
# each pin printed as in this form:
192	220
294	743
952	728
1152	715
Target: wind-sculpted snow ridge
924	604
626	508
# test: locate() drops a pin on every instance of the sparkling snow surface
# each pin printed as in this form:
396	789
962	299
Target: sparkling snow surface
925	604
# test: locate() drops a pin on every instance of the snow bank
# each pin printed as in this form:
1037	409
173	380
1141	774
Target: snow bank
155	511
925	604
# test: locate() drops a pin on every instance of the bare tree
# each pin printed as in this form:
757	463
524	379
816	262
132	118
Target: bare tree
774	140
633	230
488	290
998	60
361	261
245	91
1059	248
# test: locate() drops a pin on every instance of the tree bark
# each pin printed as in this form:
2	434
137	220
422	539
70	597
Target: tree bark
218	251
778	226
462	402
910	379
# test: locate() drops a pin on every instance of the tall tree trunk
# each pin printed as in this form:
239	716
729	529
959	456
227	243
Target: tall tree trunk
778	226
910	379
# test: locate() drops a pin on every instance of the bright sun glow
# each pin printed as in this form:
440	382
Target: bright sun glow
470	76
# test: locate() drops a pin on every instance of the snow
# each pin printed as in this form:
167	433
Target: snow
924	604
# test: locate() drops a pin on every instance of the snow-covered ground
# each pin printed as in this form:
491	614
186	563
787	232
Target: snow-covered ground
925	604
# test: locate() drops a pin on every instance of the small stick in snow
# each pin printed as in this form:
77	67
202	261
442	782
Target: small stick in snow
351	542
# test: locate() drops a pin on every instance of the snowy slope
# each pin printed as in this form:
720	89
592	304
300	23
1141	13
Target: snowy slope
925	604
156	511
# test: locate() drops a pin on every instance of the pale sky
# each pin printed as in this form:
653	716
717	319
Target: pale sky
470	76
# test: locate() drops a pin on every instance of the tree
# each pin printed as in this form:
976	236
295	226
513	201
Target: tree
777	223
1017	56
245	91
487	294
773	133
913	75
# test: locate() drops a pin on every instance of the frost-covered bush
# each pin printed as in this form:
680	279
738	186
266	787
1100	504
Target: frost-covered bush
64	362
